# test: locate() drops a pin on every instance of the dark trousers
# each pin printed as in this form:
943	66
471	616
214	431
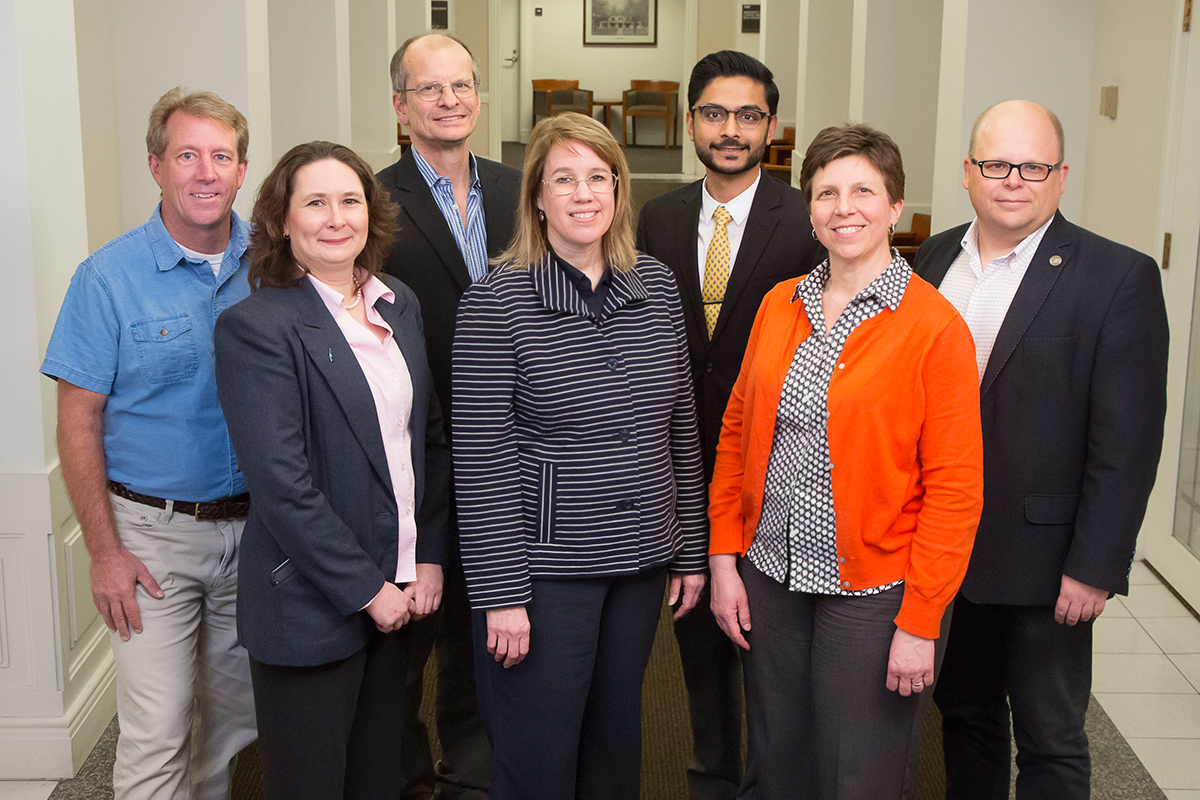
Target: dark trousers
712	670
1019	657
464	769
566	722
329	731
822	723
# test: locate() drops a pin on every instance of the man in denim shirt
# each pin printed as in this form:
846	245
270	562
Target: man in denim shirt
147	460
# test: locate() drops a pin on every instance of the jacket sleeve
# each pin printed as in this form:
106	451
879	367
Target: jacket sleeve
691	497
258	382
1126	408
950	452
487	478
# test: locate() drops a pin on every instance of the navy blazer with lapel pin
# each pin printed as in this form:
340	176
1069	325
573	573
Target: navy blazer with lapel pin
321	537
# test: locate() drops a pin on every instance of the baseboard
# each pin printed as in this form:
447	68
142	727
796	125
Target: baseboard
54	748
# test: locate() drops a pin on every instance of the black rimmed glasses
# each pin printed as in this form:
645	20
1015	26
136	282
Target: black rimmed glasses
433	91
1031	171
600	183
748	117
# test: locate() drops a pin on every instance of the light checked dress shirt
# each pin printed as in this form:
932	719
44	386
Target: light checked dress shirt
982	296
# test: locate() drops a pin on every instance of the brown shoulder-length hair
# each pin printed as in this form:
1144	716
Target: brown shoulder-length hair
530	243
855	140
271	260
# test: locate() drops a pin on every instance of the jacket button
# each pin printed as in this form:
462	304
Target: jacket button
708	367
846	584
841	560
612	363
627	505
625	435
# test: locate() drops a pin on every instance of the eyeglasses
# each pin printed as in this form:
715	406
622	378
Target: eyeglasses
433	91
1031	171
600	183
748	117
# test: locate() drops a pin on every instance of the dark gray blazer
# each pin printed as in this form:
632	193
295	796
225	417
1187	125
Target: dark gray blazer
1073	400
777	245
321	537
427	259
576	452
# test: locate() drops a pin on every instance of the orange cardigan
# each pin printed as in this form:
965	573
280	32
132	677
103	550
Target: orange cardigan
904	438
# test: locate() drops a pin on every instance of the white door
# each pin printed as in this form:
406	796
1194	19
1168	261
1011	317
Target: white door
1171	535
510	73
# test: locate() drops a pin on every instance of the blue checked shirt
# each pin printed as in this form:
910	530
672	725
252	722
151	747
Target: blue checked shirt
472	240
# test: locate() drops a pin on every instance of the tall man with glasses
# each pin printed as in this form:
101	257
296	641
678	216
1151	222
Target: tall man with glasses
728	238
456	211
1070	336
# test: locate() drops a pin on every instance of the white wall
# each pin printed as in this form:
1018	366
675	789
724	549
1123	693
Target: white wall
1121	195
1051	68
557	52
826	69
155	51
900	89
781	38
305	86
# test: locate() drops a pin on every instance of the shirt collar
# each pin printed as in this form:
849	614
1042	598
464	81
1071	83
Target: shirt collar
167	252
1020	254
431	175
738	207
373	289
888	288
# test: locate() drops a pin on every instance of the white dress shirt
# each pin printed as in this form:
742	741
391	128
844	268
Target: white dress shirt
982	296
739	210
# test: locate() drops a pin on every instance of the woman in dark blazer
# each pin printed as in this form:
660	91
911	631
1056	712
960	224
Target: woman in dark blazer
577	473
323	380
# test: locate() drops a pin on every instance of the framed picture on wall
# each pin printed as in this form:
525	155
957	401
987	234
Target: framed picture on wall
620	23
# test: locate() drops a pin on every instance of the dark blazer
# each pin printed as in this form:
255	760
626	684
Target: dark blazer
576	452
426	257
777	244
321	537
1073	400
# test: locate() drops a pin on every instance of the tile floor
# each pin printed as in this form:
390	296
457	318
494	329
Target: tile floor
1146	676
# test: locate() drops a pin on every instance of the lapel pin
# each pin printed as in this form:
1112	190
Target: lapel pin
1055	260
331	349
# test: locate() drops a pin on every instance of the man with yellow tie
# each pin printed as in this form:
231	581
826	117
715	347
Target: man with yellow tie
728	238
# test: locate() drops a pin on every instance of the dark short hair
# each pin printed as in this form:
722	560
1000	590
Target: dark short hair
855	140
271	260
729	64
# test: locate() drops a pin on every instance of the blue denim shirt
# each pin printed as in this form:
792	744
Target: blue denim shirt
137	325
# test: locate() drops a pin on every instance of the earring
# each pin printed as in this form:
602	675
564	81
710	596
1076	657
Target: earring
892	229
813	231
541	215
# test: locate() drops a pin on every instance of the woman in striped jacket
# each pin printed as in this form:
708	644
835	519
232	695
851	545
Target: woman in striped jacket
577	470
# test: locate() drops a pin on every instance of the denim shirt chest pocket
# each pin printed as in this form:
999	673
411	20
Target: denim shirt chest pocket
166	348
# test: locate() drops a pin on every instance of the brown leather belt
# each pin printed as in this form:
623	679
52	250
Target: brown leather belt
235	507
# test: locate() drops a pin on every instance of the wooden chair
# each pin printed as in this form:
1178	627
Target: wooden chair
558	96
781	147
402	139
650	99
908	242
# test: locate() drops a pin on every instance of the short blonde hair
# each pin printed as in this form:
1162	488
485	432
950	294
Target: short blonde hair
204	105
530	243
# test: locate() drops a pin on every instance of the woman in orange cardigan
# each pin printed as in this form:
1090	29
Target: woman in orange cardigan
848	485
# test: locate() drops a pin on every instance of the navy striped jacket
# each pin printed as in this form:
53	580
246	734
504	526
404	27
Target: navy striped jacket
576	449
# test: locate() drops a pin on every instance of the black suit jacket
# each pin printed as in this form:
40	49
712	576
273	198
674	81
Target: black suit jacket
426	257
321	537
1072	399
777	245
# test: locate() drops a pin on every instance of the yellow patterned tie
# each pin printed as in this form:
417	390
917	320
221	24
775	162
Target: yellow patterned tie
716	270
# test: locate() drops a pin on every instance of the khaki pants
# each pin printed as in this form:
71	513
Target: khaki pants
184	699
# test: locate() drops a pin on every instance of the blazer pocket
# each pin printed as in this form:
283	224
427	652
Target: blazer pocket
1051	509
545	500
282	572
